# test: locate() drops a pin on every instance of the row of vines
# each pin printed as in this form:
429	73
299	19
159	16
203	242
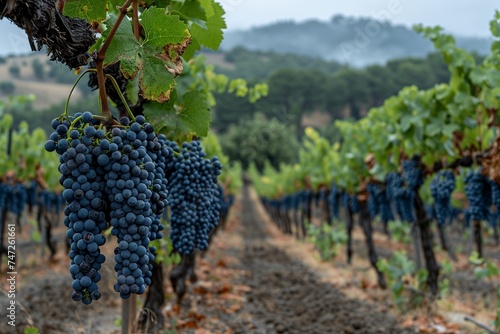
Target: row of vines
135	167
423	156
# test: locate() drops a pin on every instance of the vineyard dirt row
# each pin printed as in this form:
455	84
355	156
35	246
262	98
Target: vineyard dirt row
249	283
252	280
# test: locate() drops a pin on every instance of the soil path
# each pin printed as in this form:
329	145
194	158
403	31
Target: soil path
287	297
278	292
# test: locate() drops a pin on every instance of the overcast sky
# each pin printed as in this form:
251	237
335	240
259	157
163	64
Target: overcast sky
464	17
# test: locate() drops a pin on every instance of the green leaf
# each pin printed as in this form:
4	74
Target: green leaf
406	122
478	75
433	128
193	10
378	172
181	123
470	122
448	146
190	51
132	90
448	129
156	60
213	34
495	26
91	10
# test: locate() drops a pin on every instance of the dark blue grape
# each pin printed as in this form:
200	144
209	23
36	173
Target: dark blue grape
193	190
442	187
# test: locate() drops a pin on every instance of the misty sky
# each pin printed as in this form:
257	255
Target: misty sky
463	17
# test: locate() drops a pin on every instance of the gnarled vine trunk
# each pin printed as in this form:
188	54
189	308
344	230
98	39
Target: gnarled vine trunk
349	226
66	39
365	222
476	227
445	245
426	238
151	319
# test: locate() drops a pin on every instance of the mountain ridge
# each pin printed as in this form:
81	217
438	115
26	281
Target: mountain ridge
348	40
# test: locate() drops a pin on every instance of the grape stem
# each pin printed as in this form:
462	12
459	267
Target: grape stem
73	88
79	118
122	98
72	126
101	55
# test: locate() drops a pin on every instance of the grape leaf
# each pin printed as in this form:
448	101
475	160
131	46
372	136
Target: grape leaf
212	36
181	122
192	10
132	91
91	10
156	60
190	51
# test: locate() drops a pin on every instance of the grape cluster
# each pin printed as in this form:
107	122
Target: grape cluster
350	202
18	197
374	191
51	201
83	193
295	200
495	194
193	196
333	200
133	188
31	193
412	174
224	205
306	199
379	202
479	193
287	202
3	195
116	176
14	197
441	188
161	155
402	196
386	213
495	200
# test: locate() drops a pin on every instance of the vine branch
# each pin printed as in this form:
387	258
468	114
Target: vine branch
101	55
135	19
46	26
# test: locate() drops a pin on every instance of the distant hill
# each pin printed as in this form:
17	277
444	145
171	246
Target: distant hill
48	91
353	41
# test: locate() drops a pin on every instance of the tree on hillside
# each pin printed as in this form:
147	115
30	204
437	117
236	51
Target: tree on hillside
293	93
355	91
38	69
259	140
15	71
299	88
381	82
7	87
231	109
